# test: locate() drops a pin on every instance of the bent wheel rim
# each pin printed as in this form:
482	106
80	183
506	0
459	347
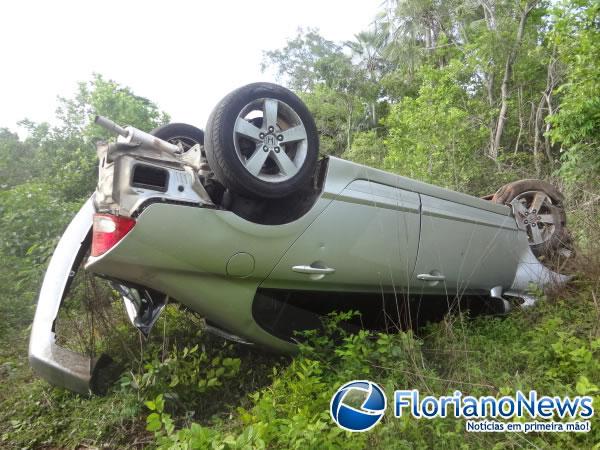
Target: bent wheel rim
270	140
536	213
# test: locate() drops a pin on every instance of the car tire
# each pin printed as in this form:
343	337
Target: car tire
262	142
538	208
181	134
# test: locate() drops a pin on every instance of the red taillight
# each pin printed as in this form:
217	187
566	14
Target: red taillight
108	230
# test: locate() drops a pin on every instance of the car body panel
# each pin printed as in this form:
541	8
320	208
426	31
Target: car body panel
473	249
197	277
185	251
342	171
201	240
369	235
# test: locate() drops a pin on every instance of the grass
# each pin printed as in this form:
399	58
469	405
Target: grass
541	348
34	414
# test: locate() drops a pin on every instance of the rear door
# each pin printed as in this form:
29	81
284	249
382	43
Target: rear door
366	239
463	248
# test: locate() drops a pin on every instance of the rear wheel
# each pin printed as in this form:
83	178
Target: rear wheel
261	141
181	134
186	137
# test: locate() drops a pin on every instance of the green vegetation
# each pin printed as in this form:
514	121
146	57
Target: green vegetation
464	94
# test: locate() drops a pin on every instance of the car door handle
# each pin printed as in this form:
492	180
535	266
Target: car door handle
312	270
430	277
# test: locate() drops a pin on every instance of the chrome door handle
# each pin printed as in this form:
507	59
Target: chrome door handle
430	277
312	270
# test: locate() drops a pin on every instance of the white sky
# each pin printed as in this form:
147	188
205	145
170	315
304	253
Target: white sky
183	55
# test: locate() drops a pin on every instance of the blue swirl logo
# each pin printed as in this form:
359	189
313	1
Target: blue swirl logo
367	415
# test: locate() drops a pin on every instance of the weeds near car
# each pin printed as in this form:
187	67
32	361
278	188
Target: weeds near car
186	389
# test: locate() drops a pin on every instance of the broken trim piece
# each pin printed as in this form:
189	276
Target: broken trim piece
143	305
58	365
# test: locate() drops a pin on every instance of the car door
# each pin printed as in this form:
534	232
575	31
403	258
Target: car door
366	239
464	248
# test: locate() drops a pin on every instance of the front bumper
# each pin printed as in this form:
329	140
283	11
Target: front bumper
55	364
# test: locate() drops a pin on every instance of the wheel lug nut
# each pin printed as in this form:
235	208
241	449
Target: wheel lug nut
265	148
533	225
526	222
276	149
280	137
533	211
261	135
271	129
526	213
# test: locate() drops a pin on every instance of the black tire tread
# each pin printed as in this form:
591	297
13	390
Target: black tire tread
171	130
215	139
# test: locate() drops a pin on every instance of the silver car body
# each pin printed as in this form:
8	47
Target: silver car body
366	231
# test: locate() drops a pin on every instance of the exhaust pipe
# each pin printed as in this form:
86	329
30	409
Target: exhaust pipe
131	135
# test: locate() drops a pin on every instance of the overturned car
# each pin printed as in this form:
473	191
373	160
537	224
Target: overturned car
249	228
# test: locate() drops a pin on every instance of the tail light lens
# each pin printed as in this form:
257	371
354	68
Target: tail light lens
107	231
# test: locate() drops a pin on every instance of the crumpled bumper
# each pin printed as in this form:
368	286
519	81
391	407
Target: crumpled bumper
55	364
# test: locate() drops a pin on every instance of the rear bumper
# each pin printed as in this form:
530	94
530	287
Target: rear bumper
55	364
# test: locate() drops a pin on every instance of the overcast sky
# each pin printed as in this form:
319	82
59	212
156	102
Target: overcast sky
183	55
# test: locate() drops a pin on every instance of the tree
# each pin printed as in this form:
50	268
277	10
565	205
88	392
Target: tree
438	136
330	113
68	153
107	98
306	61
367	51
367	148
317	67
506	59
504	86
576	124
47	176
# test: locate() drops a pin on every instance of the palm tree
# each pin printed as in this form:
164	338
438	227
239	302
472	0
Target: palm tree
367	53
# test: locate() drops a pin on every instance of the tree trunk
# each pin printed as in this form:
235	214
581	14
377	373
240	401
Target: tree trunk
551	83
545	103
489	86
489	12
520	107
536	139
349	126
374	113
510	60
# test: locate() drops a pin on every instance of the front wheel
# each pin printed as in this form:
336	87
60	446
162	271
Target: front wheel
262	142
538	208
